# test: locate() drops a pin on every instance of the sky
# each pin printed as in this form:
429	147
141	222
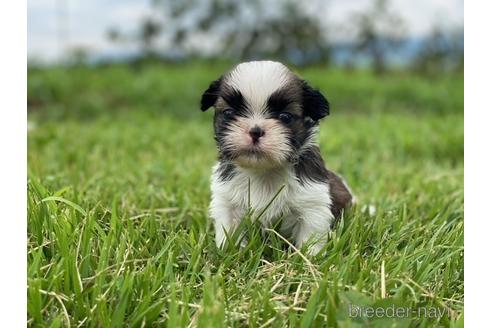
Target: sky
57	25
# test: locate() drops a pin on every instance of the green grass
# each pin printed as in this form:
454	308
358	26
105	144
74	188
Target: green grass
118	231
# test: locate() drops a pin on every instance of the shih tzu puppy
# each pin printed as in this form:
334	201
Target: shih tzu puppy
266	123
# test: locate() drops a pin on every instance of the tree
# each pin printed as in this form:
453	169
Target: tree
238	30
78	56
379	32
146	36
441	51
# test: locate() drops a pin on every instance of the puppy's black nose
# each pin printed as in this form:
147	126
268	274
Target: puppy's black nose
256	133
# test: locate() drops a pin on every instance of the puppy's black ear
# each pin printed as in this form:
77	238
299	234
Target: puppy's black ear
314	103
210	95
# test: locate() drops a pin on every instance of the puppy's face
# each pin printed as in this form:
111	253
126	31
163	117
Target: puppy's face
264	114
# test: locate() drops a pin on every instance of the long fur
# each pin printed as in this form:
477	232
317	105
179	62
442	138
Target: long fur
266	96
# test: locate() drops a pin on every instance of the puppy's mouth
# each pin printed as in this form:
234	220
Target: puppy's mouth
255	157
256	149
252	151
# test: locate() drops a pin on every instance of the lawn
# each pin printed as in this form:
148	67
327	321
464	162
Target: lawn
119	161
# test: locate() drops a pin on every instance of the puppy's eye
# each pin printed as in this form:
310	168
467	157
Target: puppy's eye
285	117
228	113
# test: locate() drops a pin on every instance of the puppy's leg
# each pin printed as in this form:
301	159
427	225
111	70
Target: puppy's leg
314	226
226	219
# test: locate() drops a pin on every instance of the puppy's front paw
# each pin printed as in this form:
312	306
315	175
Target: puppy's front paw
220	238
315	248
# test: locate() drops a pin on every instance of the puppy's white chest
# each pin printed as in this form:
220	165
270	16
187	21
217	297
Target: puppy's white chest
269	194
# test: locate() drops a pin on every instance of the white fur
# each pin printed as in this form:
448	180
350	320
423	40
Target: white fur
257	80
303	208
274	144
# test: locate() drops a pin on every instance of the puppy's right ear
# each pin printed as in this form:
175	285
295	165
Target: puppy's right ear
210	95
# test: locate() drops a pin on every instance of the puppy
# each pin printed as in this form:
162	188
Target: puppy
266	123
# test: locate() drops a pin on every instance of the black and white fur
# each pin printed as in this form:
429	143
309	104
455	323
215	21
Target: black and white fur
266	123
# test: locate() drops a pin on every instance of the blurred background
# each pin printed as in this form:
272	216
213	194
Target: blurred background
114	128
381	34
90	57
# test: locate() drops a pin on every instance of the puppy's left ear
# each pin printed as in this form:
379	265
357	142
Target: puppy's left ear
315	105
210	95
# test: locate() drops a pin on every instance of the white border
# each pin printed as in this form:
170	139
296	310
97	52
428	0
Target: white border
478	104
13	107
478	163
